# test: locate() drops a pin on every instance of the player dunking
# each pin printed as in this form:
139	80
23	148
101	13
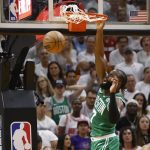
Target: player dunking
109	101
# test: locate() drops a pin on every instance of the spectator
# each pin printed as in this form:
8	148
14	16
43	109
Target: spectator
130	87
144	54
68	123
129	66
58	104
112	10
79	43
144	86
140	98
130	118
128	139
34	53
122	15
82	140
41	68
71	85
129	7
55	72
43	87
88	104
92	4
122	43
67	58
87	79
43	121
143	130
140	4
64	142
49	140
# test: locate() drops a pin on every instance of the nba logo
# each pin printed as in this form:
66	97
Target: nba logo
21	136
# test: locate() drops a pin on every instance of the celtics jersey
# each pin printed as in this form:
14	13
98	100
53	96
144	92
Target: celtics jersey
100	118
59	109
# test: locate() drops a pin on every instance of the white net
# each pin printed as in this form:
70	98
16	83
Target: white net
72	13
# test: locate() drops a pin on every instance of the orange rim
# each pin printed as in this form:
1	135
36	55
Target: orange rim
92	16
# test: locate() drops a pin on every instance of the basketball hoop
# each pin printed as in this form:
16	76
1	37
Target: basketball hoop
77	18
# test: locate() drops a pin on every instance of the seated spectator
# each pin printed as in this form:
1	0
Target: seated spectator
122	43
129	7
143	130
43	87
49	140
79	43
59	104
64	142
82	140
34	53
129	66
130	87
71	85
88	78
67	58
144	54
92	4
43	121
122	15
128	139
130	118
68	123
41	69
144	86
88	104
140	98
55	72
111	10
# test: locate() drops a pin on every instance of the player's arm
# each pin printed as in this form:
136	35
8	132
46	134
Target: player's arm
99	53
114	113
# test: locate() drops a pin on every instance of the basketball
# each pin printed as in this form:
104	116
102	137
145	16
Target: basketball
54	42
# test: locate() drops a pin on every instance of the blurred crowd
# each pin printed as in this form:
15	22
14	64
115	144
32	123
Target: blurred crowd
67	84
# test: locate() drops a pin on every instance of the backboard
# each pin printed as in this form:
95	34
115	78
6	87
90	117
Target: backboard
129	17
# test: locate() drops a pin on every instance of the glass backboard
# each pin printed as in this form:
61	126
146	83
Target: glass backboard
40	16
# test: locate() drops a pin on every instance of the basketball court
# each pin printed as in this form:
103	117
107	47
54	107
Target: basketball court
20	18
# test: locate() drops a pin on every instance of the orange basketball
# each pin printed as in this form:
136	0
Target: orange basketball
54	42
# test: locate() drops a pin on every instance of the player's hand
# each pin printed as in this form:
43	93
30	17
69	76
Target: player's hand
100	25
114	86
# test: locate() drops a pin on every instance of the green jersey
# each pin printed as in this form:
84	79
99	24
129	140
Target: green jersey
59	109
100	118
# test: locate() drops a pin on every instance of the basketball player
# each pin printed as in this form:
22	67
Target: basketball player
109	101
